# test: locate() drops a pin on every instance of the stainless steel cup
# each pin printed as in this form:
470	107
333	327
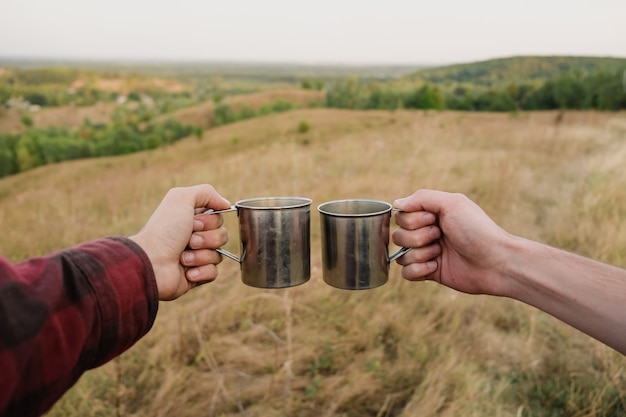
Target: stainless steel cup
355	240
275	241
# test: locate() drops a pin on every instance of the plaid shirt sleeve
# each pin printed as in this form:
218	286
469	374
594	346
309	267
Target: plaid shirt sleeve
68	312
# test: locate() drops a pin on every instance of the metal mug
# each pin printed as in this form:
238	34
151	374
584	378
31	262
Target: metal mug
355	243
275	244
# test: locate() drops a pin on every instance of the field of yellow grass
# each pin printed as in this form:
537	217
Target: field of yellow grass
404	349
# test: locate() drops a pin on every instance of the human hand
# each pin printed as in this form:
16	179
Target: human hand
180	243
454	242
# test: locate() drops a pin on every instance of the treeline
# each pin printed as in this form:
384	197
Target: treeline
36	147
224	113
498	72
570	90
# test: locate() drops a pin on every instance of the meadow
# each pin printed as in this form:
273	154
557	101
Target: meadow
404	349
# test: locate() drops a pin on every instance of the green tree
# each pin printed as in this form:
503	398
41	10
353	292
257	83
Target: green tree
8	154
348	94
28	153
569	92
223	114
37	98
426	97
605	91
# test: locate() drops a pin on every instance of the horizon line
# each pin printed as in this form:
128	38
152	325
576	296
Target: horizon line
244	62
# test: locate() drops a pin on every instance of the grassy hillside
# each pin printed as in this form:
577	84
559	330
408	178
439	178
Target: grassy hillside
404	349
497	72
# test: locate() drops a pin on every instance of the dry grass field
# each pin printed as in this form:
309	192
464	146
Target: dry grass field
404	349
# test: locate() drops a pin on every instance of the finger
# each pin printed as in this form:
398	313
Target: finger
415	220
420	255
193	258
419	271
416	238
203	274
207	221
209	239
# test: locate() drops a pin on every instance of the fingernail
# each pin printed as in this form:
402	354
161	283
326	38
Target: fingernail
399	202
193	272
188	257
198	225
431	265
195	241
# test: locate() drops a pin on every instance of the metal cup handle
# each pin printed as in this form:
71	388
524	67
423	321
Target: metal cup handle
220	250
397	254
400	251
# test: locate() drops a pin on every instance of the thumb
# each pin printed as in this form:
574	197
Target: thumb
422	200
206	196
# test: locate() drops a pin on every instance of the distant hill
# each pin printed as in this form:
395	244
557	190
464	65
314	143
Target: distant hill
496	72
186	70
505	84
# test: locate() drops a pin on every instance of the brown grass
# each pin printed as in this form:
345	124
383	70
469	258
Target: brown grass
404	349
125	85
66	116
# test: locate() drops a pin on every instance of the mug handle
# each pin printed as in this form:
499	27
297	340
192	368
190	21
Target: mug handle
397	254
400	251
220	250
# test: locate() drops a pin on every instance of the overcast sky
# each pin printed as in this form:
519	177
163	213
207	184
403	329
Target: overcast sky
321	31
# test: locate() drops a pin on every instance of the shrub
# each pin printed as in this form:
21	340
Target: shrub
281	105
223	114
303	126
26	120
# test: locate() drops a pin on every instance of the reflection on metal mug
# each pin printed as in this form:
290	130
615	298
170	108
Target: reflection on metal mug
355	240
275	245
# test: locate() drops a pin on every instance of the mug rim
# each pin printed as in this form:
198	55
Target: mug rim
322	210
302	202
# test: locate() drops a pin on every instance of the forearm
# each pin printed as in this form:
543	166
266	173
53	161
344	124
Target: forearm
66	313
584	293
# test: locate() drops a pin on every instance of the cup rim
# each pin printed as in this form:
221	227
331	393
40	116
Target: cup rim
321	207
246	203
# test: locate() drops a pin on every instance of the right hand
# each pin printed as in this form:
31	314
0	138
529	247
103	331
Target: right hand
454	242
181	244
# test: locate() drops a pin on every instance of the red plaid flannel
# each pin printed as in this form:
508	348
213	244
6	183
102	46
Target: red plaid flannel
68	312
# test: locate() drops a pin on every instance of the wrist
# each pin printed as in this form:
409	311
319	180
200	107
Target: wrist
526	259
510	265
144	244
